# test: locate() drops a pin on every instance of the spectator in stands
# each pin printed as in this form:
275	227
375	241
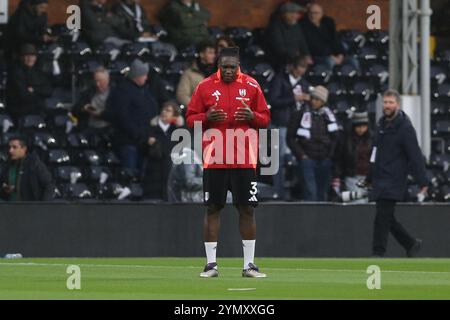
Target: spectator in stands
92	102
25	177
353	162
321	37
289	90
158	88
27	86
160	145
98	24
285	37
185	180
186	21
312	136
201	68
133	22
28	24
224	42
129	109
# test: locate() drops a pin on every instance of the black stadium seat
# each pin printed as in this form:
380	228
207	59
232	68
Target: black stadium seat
68	174
58	157
33	122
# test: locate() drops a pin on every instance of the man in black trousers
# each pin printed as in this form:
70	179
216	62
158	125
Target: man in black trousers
395	154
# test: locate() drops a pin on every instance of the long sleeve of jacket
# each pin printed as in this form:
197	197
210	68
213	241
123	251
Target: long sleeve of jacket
414	154
291	136
277	96
260	111
45	181
196	110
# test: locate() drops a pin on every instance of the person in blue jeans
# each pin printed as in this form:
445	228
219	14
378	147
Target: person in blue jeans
312	137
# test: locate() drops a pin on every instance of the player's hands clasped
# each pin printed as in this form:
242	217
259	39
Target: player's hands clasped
215	115
244	113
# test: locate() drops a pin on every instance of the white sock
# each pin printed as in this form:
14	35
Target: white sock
249	252
211	249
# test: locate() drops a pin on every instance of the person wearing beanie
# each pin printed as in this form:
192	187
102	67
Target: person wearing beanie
312	137
354	154
27	86
130	108
28	24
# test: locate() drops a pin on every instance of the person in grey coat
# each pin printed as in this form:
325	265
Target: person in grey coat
395	154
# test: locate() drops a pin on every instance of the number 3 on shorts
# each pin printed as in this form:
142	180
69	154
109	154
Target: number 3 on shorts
254	189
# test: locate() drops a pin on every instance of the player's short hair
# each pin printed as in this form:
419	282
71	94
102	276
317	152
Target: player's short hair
392	93
23	142
229	52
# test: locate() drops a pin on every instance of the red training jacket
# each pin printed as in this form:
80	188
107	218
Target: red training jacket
229	97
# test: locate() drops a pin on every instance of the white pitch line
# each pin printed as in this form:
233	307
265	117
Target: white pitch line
241	289
31	264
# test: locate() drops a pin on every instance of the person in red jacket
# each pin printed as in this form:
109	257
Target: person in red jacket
230	107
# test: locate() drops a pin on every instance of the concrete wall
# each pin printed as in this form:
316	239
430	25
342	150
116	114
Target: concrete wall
150	230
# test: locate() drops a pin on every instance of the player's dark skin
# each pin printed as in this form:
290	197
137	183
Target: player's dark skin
229	67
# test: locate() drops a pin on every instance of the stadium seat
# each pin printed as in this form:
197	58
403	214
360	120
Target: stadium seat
378	72
45	140
3	156
352	40
58	157
440	161
98	174
131	51
378	38
362	90
319	74
157	66
263	73
188	54
111	160
77	191
89	157
240	35
6	123
63	123
158	31
439	108
162	51
77	140
32	122
126	176
438	73
215	32
108	52
442	90
68	174
441	128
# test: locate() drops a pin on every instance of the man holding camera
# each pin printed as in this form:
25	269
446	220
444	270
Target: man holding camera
395	154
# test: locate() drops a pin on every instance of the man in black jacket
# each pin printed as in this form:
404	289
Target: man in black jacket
25	177
321	37
27	86
132	20
28	24
396	153
285	37
289	90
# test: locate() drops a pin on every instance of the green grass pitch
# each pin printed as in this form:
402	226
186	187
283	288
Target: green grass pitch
177	279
